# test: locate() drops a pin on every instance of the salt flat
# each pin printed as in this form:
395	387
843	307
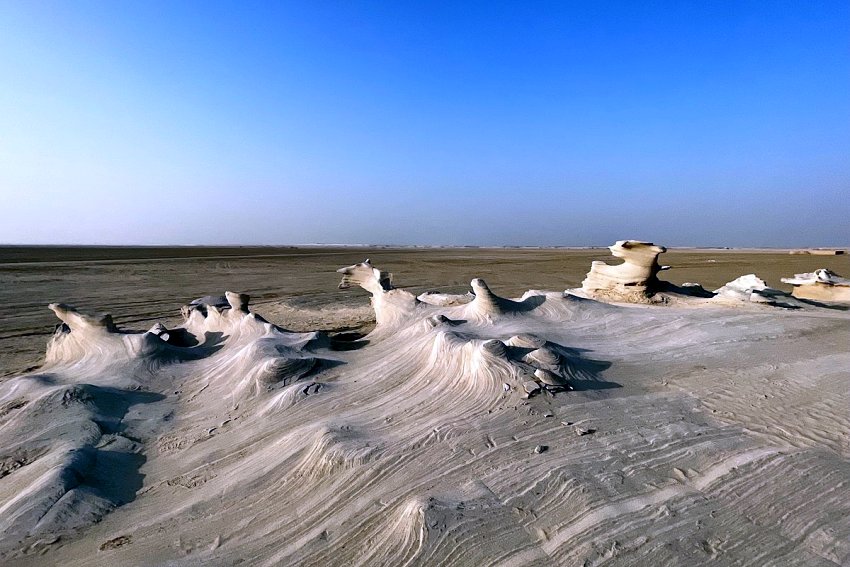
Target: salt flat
292	430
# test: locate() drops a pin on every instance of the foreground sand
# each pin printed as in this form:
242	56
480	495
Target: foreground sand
711	434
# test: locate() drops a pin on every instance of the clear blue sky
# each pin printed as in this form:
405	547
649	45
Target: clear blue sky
531	123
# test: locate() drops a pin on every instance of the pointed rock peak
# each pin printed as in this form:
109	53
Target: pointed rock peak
366	276
237	301
76	320
486	302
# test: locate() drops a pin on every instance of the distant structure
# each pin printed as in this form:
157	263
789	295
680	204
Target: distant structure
819	251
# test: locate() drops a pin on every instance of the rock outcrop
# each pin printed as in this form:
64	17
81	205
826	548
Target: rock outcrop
633	280
820	285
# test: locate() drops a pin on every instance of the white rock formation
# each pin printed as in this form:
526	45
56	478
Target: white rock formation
752	289
747	288
68	434
633	280
445	299
527	358
437	441
820	285
390	304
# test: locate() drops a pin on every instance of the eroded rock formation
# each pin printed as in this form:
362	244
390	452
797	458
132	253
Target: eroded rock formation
441	437
633	280
820	285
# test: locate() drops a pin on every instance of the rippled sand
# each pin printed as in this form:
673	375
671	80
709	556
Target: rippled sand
709	435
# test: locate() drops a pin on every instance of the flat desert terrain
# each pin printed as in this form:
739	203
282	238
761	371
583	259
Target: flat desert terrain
314	427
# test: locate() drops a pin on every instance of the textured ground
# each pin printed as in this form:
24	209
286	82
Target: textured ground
695	435
140	286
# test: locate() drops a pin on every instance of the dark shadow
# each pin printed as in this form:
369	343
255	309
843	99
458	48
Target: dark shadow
202	303
582	372
589	385
585	373
347	345
686	290
213	339
323	364
45	379
579	299
112	404
348	341
814	303
516	353
180	337
116	475
527	304
348	337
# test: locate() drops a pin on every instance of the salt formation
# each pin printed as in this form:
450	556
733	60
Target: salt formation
445	299
474	429
820	285
749	288
390	304
633	280
395	306
67	455
541	366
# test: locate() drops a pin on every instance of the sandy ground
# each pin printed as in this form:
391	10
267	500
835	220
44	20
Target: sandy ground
710	434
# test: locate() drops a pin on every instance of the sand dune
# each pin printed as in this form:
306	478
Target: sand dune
661	426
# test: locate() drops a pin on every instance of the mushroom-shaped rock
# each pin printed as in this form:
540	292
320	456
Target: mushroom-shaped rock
526	340
632	280
495	347
552	381
544	358
820	285
531	388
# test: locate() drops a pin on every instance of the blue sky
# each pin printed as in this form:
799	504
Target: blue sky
516	123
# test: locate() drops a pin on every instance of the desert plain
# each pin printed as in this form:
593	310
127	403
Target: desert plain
293	430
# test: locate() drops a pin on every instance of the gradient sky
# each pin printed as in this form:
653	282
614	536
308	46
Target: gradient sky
517	123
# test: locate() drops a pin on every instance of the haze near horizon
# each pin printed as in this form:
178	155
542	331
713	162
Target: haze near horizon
688	124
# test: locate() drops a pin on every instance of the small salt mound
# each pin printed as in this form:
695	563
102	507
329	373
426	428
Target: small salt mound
822	285
752	289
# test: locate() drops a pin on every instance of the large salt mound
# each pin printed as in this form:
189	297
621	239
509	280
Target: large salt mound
546	429
633	280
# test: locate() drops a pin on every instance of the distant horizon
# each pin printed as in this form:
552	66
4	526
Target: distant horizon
395	245
503	123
